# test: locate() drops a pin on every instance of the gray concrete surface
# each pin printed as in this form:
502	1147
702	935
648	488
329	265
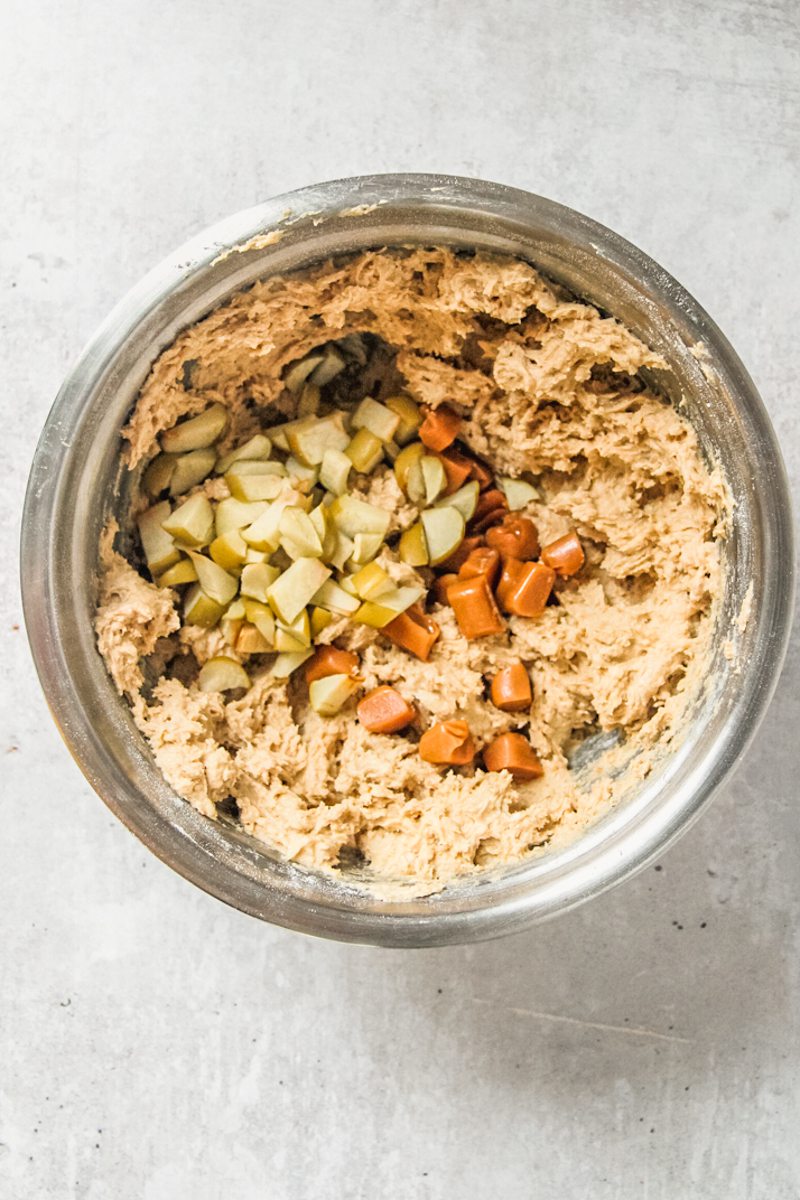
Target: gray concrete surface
154	1044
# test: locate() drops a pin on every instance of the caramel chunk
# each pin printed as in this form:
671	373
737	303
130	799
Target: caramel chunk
482	561
457	559
457	468
448	744
440	586
565	555
524	587
517	537
384	710
414	631
474	605
330	660
492	508
440	427
511	688
512	752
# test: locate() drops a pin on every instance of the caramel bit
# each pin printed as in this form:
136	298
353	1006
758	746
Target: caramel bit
414	631
517	537
565	555
440	586
457	468
384	710
448	744
482	561
330	660
440	428
491	510
511	688
482	473
460	555
512	752
474	606
524	587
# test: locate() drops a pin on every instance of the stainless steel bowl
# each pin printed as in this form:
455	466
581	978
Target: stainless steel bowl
76	479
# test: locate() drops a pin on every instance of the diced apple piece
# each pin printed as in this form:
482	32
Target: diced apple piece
258	447
346	582
444	532
408	471
365	451
251	481
301	473
319	619
298	537
285	664
159	549
329	368
413	547
200	609
250	640
229	550
260	615
197	432
325	530
156	478
465	499
334	471
377	418
341	553
391	450
327	695
433	477
370	581
386	607
296	587
256	579
410	417
299	372
233	514
365	547
293	635
178	573
353	516
256	556
191	469
214	579
308	401
517	492
221	674
401	598
265	533
310	438
192	522
255	466
232	620
333	597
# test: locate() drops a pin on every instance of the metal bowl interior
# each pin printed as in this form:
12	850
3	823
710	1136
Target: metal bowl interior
76	480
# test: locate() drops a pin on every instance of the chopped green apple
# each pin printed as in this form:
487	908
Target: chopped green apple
342	550
256	556
286	664
214	579
229	550
371	581
266	485
232	620
329	368
354	515
374	614
301	473
517	492
258	447
293	635
365	451
256	579
327	695
200	609
159	549
234	514
178	573
299	372
365	547
298	536
156	478
250	640
334	471
309	438
333	597
192	522
191	469
260	615
413	548
410	417
296	587
465	499
308	401
377	418
221	674
433	477
197	432
408	471
444	532
319	619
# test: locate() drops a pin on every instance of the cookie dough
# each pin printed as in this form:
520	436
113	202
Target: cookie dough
548	387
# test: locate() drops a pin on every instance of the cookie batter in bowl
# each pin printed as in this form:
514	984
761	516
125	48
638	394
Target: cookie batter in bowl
547	393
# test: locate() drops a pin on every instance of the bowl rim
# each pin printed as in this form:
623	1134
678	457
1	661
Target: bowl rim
628	848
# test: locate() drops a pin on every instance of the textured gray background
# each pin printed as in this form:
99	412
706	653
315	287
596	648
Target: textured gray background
154	1044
